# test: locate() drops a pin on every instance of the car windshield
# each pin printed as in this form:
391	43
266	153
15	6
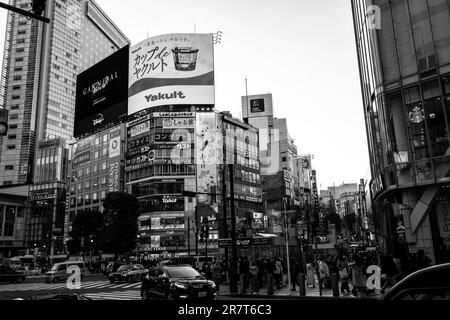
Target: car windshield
125	268
182	272
54	268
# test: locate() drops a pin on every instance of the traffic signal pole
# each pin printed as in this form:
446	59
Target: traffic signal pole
24	12
233	266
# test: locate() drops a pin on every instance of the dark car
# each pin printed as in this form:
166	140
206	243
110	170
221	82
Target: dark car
431	283
173	282
8	274
128	273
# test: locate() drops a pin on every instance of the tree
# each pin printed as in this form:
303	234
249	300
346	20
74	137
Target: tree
119	231
334	218
350	220
86	226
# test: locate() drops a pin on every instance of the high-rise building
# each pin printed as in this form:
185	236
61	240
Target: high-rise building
40	66
281	167
41	63
404	58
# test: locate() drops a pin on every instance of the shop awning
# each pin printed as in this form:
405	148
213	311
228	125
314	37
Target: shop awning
422	207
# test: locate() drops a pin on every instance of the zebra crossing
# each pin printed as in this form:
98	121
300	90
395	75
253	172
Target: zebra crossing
59	286
117	295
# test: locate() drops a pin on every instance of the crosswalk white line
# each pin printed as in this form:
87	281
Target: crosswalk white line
135	285
125	295
63	285
118	286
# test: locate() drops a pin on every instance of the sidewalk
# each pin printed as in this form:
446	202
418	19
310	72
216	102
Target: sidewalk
286	292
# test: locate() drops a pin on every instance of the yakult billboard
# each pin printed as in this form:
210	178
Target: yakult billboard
171	69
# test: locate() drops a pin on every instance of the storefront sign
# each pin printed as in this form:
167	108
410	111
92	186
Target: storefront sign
178	123
140	128
82	157
174	114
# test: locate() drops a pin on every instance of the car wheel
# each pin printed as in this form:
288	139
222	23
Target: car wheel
55	280
111	281
170	296
145	295
130	279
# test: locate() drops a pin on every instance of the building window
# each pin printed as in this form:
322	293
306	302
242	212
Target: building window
9	168
20	50
12	136
15	97
11	147
17	78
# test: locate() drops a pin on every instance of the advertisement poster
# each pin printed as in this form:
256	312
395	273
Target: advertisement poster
208	155
102	93
171	69
178	123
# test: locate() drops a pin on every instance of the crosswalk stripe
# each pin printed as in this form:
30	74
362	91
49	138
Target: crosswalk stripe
118	286
126	295
94	284
133	285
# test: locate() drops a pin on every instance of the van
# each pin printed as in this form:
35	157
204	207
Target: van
59	271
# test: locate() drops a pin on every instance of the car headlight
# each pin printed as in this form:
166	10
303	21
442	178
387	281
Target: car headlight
180	286
212	284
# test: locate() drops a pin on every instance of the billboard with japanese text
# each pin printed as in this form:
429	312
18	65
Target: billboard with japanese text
171	69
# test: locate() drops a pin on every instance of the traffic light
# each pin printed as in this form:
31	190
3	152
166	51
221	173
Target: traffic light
4	122
38	6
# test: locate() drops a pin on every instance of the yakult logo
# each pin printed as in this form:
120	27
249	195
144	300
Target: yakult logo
373	17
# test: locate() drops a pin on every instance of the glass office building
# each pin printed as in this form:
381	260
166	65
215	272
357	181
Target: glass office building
404	59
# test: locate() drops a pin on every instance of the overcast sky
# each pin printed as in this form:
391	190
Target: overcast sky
301	51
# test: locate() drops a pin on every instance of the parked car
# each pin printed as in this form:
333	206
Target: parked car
432	283
173	282
128	273
8	274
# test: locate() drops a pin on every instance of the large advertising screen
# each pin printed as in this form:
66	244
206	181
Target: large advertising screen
102	93
171	69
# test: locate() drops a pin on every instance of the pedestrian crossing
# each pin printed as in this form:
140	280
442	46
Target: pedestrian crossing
59	286
122	295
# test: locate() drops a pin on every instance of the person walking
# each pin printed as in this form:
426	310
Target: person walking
278	273
310	281
359	279
344	275
254	270
324	273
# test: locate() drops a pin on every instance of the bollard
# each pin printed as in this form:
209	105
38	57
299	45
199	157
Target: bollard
270	284
335	284
301	284
242	284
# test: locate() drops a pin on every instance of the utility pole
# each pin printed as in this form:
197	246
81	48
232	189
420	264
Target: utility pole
287	241
233	266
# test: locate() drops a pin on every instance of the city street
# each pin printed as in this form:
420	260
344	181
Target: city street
97	287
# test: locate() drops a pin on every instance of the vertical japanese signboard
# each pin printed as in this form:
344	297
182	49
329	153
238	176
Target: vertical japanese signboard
208	145
114	160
